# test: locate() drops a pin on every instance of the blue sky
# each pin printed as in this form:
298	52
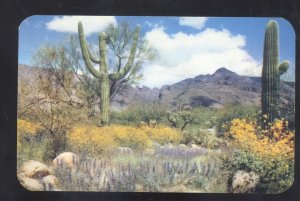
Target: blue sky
187	46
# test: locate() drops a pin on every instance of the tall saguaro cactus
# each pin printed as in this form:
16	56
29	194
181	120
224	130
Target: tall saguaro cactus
271	72
103	74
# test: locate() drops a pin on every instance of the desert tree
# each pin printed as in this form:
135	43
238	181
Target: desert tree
122	54
43	102
121	37
53	96
63	64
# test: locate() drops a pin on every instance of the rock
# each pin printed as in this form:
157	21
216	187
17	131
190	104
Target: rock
156	145
187	107
182	146
217	151
194	146
124	150
50	183
34	170
66	159
178	188
139	188
103	181
243	182
36	176
169	146
31	184
211	130
149	151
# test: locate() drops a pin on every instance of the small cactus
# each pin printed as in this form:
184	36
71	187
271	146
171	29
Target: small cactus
181	117
271	72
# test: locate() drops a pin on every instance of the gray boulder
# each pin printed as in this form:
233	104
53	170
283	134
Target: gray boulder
244	182
34	170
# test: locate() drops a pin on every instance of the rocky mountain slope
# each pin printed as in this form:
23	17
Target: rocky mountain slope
216	90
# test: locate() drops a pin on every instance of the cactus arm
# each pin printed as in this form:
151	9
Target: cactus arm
85	53
172	119
102	50
126	69
187	118
283	67
93	58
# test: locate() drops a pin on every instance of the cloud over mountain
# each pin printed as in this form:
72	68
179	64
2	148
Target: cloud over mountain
183	55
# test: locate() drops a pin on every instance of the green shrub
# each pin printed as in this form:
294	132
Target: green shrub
230	112
204	117
203	137
151	114
33	147
36	143
276	174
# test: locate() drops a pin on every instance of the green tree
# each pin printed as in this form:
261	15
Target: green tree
121	36
63	63
124	46
54	97
42	100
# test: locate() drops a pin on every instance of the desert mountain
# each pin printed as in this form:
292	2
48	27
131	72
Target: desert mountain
216	90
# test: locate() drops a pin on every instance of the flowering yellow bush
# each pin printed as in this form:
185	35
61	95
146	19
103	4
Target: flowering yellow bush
275	141
163	135
27	127
130	136
98	139
91	138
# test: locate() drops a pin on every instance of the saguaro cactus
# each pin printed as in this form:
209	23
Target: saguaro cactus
271	72
103	75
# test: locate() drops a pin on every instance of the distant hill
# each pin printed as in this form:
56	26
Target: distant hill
216	90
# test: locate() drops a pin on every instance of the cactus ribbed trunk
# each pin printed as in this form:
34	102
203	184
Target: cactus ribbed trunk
104	81
103	75
104	100
271	72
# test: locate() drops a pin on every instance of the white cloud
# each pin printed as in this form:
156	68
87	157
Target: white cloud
154	25
195	22
91	24
184	55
